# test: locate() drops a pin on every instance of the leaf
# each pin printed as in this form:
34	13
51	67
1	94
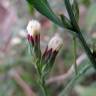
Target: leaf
71	16
45	1
66	22
43	7
75	8
91	17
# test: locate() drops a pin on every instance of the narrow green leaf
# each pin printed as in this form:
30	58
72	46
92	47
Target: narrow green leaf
75	8
45	1
71	16
43	7
66	22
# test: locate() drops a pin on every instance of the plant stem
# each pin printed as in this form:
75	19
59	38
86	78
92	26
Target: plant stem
74	49
87	49
79	34
43	86
42	82
73	81
44	90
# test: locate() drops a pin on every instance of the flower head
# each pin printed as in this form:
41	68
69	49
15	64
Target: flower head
55	43
53	47
33	36
33	29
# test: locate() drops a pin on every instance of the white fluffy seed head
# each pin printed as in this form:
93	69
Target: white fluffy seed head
33	27
55	43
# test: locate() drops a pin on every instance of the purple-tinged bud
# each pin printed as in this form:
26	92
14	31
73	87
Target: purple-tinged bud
33	30
53	47
55	43
33	37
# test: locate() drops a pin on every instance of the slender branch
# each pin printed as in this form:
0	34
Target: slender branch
87	49
79	33
42	81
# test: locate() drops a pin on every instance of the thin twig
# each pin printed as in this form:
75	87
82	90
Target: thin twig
69	73
75	53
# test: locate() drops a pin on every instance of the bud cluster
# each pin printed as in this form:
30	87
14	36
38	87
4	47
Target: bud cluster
50	53
52	49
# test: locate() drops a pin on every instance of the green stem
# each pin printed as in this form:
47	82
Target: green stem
42	82
87	49
74	49
71	15
44	90
73	81
79	34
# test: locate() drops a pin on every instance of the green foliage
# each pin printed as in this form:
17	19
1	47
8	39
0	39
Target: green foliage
66	22
43	7
82	69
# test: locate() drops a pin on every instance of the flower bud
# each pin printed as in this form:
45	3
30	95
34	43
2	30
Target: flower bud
53	47
55	43
33	30
94	51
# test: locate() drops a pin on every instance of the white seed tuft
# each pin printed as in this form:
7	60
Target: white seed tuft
33	27
55	43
